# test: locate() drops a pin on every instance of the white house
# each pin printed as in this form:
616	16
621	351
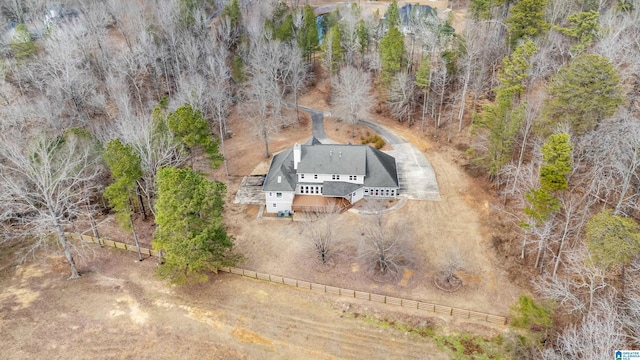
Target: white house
349	172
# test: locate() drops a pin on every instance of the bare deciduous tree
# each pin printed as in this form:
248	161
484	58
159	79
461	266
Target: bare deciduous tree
449	264
597	337
351	97
384	248
45	181
401	97
582	285
319	225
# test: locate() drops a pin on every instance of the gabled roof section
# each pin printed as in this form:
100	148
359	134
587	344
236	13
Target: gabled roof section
339	188
281	176
381	169
333	159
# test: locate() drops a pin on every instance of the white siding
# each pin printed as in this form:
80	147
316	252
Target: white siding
381	192
311	178
277	203
357	195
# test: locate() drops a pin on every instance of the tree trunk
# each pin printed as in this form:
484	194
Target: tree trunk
424	108
265	136
524	244
135	238
222	134
464	97
67	252
142	208
94	227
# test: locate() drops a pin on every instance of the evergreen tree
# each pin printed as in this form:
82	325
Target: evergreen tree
556	155
22	44
190	229
612	239
501	121
527	19
124	164
480	10
308	35
392	16
192	130
584	27
423	81
515	68
363	38
583	93
391	53
333	48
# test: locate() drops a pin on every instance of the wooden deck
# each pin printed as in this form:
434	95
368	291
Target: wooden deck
317	203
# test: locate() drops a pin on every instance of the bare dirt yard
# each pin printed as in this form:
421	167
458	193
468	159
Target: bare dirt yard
118	310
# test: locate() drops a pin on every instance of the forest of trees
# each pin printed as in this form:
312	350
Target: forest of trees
109	102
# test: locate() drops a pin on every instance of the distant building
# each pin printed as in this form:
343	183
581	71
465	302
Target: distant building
306	174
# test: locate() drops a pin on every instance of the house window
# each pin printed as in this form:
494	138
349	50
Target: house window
301	176
270	194
333	177
274	204
279	195
315	176
366	190
387	192
393	192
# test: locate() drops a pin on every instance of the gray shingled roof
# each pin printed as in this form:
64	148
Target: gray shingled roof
339	188
333	159
379	168
282	168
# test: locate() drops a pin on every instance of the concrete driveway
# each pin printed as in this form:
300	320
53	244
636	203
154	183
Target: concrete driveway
416	176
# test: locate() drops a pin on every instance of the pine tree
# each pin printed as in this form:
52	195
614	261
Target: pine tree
515	68
612	239
190	230
583	93
392	16
124	165
584	27
391	53
423	81
308	35
527	19
192	130
557	165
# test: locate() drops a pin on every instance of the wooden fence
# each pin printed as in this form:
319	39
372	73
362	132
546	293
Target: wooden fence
384	299
114	244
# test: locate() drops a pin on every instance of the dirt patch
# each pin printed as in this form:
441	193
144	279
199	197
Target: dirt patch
117	310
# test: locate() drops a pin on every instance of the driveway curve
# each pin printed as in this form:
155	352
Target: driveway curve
416	176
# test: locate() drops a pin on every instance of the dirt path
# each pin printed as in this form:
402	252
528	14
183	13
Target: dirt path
117	310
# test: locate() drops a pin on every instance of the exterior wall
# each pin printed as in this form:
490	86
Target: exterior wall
311	178
309	189
381	192
357	195
275	203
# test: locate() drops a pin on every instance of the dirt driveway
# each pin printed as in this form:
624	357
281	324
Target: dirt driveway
117	310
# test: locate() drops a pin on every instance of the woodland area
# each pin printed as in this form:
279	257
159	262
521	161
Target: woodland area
107	104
